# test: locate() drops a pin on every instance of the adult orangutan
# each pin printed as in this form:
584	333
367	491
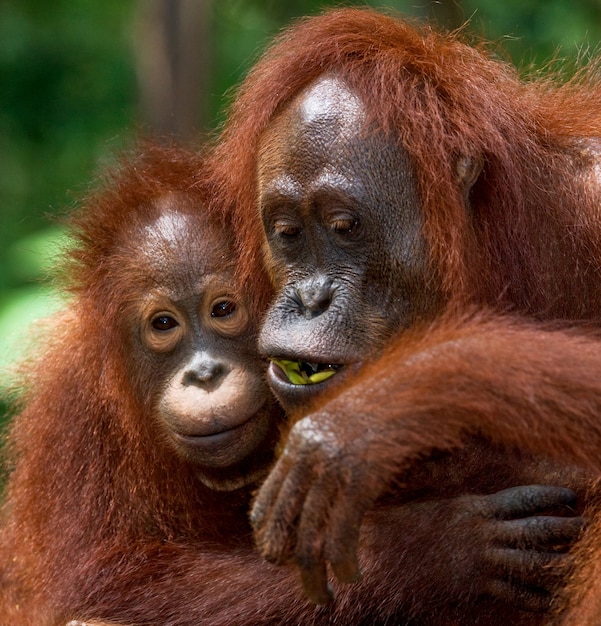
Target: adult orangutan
146	423
412	185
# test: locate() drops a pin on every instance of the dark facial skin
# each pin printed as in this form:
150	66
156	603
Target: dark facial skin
344	239
197	342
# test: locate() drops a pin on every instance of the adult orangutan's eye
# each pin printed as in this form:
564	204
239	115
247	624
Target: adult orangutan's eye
286	229
345	226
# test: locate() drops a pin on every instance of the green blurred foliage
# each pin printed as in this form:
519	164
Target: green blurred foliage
535	32
68	102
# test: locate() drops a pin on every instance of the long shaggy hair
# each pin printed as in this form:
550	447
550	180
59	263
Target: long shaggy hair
531	238
90	473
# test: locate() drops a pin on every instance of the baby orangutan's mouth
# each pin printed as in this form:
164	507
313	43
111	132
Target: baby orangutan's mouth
304	373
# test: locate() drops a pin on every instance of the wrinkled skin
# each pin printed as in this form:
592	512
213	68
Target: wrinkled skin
327	204
344	247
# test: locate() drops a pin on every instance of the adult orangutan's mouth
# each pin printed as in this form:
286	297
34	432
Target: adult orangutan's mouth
305	373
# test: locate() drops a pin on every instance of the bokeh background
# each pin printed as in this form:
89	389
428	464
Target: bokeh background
80	78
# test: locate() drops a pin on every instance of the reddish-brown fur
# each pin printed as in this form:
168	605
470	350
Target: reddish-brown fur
444	98
99	516
103	520
528	245
94	493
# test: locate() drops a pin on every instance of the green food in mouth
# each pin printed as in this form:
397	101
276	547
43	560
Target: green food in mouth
303	373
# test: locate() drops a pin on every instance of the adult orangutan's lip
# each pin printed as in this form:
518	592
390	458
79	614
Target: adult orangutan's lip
305	373
296	396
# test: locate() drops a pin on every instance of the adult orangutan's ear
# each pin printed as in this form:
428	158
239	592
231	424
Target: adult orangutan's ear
467	170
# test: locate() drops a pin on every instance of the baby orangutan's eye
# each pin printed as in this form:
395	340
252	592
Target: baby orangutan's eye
164	322
163	331
227	316
223	308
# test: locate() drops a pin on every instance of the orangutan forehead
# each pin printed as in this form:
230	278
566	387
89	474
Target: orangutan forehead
329	97
169	229
179	220
183	239
325	112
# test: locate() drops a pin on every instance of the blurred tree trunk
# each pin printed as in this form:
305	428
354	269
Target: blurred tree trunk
448	13
173	63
